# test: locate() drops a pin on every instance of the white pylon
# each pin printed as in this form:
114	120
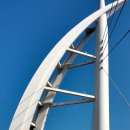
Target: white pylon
101	105
32	111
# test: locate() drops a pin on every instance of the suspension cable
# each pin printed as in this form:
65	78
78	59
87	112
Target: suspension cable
115	23
117	44
92	120
118	89
104	34
109	24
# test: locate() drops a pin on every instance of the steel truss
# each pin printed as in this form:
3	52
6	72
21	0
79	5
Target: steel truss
33	109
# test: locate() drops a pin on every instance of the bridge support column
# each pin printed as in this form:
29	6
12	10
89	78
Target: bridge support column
101	106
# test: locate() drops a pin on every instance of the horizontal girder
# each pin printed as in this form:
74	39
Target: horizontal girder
72	103
81	53
71	66
41	104
69	92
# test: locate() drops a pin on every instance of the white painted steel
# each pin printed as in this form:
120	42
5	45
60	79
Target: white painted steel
69	92
28	104
82	53
49	84
71	103
40	119
33	125
69	66
101	104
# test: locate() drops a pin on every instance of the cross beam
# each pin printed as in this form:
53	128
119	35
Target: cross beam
81	53
41	104
71	103
70	66
70	92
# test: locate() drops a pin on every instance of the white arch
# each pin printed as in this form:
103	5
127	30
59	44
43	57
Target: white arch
28	104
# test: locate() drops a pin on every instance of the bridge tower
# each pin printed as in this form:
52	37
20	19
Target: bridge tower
38	97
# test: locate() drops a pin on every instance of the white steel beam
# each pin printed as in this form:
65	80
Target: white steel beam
71	66
101	105
81	53
43	112
69	103
69	92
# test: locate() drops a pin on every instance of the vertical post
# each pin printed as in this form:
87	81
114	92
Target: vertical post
101	106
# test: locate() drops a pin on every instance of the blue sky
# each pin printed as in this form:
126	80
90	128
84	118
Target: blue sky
29	29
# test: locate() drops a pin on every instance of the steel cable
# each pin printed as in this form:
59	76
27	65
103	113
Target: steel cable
117	44
117	88
115	23
109	25
106	25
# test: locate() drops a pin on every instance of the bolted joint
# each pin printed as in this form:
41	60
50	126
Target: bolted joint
101	48
101	61
101	55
